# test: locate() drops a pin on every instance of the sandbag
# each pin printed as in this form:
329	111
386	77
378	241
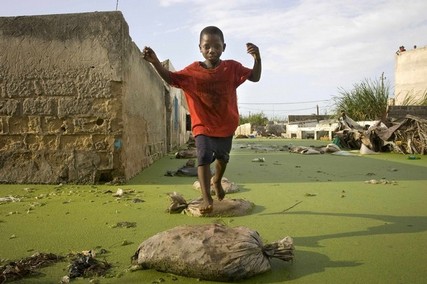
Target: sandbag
224	208
211	252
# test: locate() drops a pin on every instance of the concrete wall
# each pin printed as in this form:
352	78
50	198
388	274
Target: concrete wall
77	103
243	129
176	112
411	76
400	112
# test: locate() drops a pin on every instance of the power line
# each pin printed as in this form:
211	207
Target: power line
277	110
289	103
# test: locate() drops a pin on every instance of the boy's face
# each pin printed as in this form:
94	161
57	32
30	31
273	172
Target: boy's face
211	46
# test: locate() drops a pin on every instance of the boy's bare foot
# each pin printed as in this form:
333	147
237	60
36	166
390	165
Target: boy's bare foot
205	209
219	191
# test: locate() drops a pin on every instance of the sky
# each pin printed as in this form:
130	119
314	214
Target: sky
311	50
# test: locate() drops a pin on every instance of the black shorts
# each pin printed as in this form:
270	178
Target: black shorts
211	148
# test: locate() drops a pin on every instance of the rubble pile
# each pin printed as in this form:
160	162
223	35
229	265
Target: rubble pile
408	136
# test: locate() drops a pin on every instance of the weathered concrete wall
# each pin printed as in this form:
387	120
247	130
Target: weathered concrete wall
77	103
400	112
411	76
176	111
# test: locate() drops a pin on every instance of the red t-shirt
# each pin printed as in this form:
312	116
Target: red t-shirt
211	96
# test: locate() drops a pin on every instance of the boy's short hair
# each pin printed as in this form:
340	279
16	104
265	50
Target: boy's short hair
212	30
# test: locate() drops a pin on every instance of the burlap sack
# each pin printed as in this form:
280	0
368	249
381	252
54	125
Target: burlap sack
211	252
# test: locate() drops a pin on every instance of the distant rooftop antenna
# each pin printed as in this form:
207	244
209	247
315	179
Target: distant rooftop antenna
117	4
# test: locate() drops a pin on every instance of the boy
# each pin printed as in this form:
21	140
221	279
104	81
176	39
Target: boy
210	90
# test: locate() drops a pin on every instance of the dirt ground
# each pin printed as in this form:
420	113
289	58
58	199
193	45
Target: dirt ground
354	219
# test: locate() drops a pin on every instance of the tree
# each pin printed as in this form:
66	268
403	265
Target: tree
257	119
367	101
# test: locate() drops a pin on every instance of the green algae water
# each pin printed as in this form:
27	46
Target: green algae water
345	229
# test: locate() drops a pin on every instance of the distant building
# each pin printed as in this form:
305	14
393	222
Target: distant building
410	76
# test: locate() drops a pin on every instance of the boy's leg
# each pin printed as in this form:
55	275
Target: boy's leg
204	159
220	167
204	173
222	148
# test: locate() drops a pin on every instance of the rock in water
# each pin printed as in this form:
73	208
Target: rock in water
211	252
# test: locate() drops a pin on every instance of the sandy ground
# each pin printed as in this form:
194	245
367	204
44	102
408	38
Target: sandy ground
345	230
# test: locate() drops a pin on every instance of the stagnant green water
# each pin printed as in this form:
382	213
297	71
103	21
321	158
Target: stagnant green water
344	229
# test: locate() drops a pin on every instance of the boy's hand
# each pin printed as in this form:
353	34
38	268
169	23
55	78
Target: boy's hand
253	50
149	55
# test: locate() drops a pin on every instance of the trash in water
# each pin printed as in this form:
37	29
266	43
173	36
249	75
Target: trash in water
413	157
260	160
124	224
85	265
28	266
211	252
9	198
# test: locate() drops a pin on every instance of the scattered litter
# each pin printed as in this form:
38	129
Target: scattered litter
185	154
189	170
85	265
119	193
29	189
9	198
65	280
364	150
413	157
28	266
381	181
212	252
343	153
126	242
124	224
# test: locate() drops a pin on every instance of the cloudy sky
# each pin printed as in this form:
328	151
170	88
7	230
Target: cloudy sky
310	49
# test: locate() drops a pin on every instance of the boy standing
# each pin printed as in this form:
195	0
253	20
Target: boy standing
210	90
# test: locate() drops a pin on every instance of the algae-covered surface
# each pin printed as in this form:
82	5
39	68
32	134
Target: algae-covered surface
354	219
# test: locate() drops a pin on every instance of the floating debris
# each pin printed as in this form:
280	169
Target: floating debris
9	198
259	160
185	154
381	181
119	193
85	265
124	224
28	266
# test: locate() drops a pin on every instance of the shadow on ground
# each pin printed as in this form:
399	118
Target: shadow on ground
391	225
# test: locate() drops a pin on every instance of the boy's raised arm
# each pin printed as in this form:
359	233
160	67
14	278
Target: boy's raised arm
256	70
149	55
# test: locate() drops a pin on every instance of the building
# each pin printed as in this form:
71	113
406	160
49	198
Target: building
78	104
410	76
